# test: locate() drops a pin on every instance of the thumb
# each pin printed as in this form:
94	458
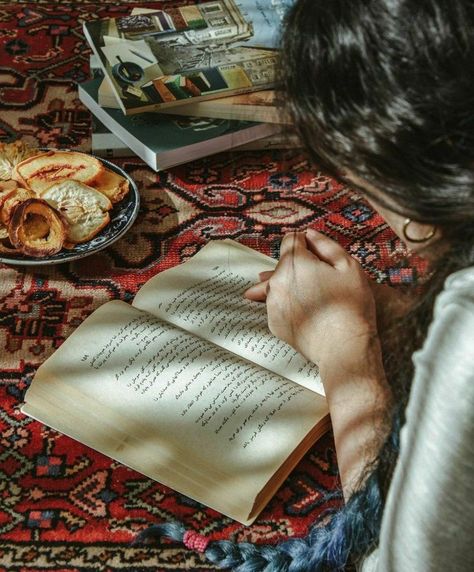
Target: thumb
257	292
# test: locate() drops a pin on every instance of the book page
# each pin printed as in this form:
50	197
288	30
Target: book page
174	407
205	296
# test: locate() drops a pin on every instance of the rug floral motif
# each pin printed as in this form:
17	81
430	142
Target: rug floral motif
62	505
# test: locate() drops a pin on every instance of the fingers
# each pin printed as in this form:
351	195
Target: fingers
326	249
257	292
265	275
291	243
310	243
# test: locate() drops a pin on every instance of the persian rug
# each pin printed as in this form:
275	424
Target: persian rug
64	507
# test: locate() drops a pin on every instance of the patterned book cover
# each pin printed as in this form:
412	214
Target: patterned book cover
163	141
258	106
211	50
160	21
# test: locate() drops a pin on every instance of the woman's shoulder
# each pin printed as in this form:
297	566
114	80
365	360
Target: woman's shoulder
447	351
453	316
458	287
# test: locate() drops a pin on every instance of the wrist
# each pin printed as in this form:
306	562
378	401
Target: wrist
359	399
356	371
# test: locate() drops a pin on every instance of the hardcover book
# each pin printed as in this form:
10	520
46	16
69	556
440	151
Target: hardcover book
105	144
254	106
164	141
188	386
205	51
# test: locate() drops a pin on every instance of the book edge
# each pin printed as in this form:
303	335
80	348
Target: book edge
167	159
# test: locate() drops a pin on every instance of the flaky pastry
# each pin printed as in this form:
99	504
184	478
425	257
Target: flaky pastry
84	208
11	154
41	171
36	228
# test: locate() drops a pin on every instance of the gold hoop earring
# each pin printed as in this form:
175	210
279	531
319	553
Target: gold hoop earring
408	238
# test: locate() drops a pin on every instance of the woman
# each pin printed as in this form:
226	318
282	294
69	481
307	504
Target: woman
382	94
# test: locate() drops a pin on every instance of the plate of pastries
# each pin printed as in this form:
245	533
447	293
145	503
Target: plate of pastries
60	205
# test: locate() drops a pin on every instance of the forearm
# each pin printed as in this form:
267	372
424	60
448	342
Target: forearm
358	396
320	302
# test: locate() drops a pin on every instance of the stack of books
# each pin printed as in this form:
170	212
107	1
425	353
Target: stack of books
179	84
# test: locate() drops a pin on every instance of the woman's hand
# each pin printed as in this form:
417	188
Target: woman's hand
318	298
321	303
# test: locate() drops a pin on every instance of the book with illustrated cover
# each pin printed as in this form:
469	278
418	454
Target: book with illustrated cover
207	51
187	385
255	106
164	141
258	106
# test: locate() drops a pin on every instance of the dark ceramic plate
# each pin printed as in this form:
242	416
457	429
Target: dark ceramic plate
122	216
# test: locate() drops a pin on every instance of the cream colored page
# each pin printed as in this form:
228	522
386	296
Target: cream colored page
176	393
114	437
205	296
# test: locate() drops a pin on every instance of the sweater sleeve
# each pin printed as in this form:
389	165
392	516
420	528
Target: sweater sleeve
429	516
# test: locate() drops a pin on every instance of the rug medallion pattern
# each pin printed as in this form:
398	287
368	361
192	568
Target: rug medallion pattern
63	506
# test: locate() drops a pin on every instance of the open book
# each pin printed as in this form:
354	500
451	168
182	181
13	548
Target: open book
187	385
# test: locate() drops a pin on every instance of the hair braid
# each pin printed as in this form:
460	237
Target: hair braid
352	531
379	87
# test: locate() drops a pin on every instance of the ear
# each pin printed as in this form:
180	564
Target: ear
417	233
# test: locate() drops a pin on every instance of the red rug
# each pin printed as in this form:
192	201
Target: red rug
63	506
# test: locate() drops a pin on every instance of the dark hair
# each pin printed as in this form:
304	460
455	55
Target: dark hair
384	88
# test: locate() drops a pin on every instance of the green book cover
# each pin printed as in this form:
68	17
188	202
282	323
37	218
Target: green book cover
173	84
163	141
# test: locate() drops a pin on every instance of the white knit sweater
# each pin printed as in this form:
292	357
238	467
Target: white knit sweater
428	522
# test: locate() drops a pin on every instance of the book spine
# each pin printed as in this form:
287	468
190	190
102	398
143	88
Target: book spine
217	110
160	107
179	22
177	90
111	152
163	91
106	144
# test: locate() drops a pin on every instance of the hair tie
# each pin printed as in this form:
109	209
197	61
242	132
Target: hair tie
195	541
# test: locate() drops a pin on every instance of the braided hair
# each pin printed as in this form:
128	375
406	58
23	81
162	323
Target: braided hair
384	88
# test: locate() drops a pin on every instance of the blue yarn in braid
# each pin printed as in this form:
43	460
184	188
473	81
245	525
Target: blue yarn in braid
351	530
